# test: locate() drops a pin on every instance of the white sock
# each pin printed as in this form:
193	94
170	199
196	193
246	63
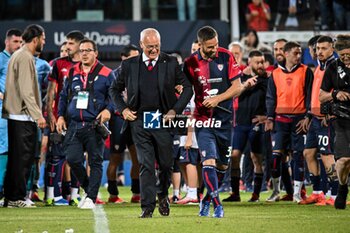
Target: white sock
176	192
333	197
192	193
297	187
276	184
316	192
74	193
49	194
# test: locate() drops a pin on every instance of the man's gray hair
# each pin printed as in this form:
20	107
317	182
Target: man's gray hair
235	43
149	31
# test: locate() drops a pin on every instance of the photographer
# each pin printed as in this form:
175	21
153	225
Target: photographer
335	88
85	100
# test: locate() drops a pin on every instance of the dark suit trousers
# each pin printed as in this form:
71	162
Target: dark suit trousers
152	145
22	137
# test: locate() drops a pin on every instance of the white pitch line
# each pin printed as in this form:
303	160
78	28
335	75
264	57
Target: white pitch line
101	221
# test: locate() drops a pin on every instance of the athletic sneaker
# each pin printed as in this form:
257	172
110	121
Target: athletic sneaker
99	201
297	198
174	199
313	198
204	209
218	212
274	197
81	202
232	198
19	204
74	202
88	204
49	202
254	198
287	197
116	200
325	202
35	197
61	202
187	201
29	202
340	201
136	198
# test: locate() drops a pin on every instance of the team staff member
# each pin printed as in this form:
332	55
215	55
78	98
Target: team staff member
59	72
288	98
22	109
335	87
85	100
150	81
248	122
214	74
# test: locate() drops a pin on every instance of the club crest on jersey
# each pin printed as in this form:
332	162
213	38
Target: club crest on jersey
220	67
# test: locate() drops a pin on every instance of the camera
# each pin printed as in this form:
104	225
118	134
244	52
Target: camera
56	138
101	129
338	109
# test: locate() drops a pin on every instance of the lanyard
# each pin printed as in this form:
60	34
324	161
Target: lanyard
83	79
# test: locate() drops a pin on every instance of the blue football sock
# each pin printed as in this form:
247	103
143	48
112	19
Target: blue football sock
211	183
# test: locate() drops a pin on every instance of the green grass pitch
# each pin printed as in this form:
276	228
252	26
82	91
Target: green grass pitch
278	217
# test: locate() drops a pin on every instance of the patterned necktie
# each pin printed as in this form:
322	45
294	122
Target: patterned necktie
150	66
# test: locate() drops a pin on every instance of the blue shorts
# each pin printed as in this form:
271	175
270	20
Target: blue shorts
244	133
320	137
191	156
284	136
214	144
54	150
119	141
176	147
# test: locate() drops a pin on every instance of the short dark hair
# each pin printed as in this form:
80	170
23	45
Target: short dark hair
323	39
255	53
313	40
206	33
343	42
289	45
94	46
32	31
75	35
64	43
127	49
269	58
13	32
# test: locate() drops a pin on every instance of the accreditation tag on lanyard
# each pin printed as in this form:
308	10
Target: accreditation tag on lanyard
83	100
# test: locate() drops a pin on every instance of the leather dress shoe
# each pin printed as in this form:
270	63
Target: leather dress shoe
146	213
164	206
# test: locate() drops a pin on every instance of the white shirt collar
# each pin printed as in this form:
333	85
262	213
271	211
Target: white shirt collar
145	59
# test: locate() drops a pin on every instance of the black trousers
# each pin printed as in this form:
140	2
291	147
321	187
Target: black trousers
153	145
22	137
76	142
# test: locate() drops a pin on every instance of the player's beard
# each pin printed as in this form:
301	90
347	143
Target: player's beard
209	54
39	48
259	72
